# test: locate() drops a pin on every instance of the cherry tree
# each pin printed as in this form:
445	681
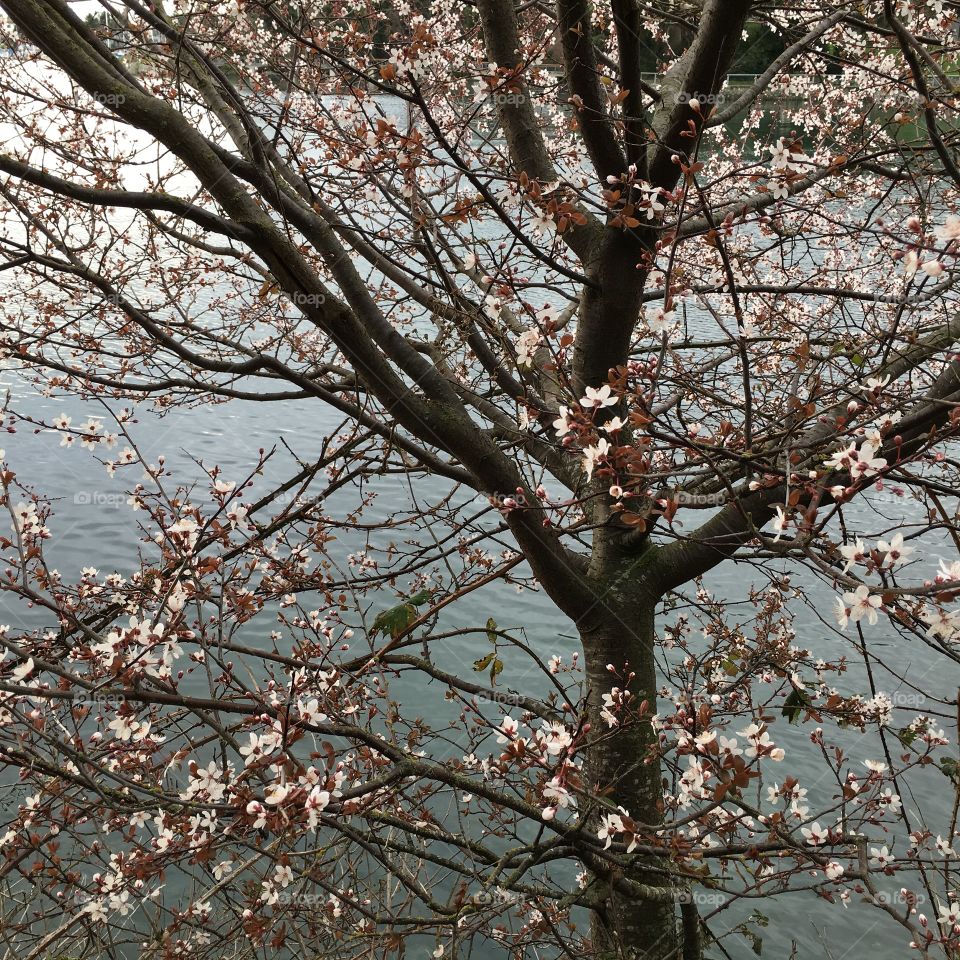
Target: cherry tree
604	337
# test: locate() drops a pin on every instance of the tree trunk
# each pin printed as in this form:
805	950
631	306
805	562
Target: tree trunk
618	762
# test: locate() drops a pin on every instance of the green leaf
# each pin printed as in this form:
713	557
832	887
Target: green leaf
907	736
794	704
484	662
491	627
496	668
395	620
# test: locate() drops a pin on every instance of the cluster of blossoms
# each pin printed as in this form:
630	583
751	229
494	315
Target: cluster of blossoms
861	463
210	782
557	793
361	560
594	400
88	433
91	436
527	344
853	607
305	797
311	791
550	749
649	199
713	760
862	603
943	624
141	646
615	703
858	458
618	826
890	554
27	522
918	257
551	739
183	533
659	320
787	161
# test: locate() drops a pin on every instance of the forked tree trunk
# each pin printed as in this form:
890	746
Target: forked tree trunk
618	761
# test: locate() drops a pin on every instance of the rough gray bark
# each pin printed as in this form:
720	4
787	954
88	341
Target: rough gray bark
621	767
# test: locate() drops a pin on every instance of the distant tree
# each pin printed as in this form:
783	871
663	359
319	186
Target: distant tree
613	342
761	47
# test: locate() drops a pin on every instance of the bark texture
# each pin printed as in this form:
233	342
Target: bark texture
621	764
